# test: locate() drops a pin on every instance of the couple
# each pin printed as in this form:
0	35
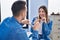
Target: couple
11	27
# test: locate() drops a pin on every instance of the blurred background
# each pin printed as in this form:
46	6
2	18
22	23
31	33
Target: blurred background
53	7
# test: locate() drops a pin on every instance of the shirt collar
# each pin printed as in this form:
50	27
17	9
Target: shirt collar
14	19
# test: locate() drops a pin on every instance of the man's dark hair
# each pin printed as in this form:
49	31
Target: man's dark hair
17	6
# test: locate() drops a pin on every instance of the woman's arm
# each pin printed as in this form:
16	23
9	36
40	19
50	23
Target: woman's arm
47	27
34	31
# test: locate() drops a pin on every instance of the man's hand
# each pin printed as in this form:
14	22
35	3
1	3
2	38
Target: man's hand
25	21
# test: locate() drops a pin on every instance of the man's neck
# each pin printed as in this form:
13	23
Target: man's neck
19	19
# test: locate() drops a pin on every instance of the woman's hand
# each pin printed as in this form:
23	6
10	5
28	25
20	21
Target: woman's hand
37	20
44	19
36	25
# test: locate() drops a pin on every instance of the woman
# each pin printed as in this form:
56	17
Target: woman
42	23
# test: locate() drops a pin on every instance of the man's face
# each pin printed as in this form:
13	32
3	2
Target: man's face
24	14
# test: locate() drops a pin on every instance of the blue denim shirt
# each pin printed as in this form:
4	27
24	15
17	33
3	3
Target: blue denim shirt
46	28
11	29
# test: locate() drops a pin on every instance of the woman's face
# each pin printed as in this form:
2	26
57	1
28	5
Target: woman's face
42	13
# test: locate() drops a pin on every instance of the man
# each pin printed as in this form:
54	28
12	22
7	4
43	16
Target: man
11	27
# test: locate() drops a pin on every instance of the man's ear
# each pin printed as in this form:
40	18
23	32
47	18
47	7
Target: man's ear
20	13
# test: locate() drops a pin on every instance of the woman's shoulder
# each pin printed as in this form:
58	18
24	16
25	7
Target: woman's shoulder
50	20
35	18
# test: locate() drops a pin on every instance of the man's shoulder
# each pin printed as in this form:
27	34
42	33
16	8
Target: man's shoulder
6	21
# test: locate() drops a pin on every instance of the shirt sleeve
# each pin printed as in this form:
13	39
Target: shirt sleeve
34	34
47	27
